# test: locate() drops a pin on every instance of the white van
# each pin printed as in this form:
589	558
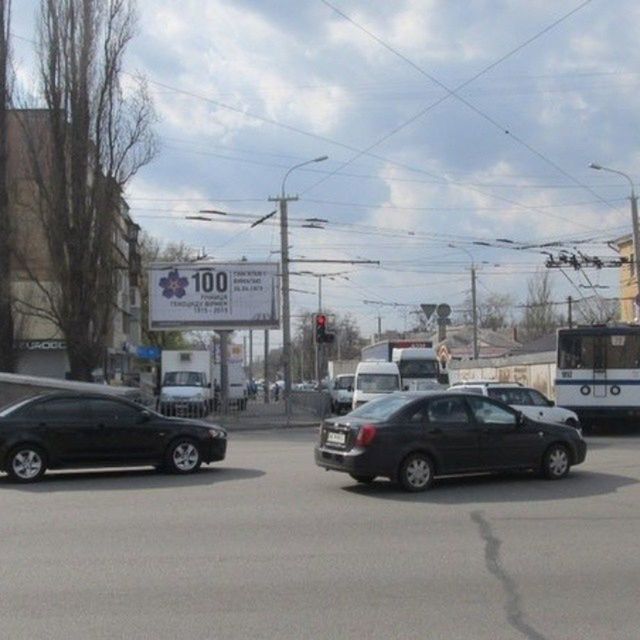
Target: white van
341	389
419	368
374	379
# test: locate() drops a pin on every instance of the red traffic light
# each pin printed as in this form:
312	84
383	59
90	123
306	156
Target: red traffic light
321	320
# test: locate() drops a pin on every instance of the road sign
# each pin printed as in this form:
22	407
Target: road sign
443	311
148	353
428	309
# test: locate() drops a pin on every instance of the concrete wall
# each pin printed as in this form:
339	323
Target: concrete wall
317	403
536	370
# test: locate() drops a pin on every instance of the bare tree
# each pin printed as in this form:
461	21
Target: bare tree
540	315
7	351
494	311
93	139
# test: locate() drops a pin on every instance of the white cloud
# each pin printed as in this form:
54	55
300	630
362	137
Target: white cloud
238	57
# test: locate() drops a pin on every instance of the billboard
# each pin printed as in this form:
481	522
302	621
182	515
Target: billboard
237	295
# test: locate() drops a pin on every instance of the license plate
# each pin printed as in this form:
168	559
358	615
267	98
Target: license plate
333	437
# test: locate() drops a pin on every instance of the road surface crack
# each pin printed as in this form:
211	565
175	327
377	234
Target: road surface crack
513	606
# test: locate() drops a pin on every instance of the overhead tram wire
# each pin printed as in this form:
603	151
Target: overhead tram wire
450	93
353	149
454	93
383	232
359	205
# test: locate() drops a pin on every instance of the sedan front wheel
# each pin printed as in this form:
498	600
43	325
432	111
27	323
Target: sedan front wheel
556	462
183	456
26	464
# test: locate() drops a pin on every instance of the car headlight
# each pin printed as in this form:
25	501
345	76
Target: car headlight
217	433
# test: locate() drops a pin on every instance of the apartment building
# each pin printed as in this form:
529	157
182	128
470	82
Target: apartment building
40	345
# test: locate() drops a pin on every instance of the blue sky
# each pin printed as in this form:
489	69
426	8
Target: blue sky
247	88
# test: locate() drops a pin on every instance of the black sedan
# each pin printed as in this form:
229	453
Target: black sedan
56	431
411	438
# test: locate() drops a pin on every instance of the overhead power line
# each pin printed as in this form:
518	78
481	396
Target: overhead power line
444	180
454	93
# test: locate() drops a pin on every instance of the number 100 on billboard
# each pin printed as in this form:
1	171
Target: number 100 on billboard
239	295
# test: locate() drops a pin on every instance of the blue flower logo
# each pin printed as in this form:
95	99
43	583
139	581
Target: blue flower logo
174	285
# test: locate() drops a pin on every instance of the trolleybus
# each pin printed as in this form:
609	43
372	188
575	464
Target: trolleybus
598	374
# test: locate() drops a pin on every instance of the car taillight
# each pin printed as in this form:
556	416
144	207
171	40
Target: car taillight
366	434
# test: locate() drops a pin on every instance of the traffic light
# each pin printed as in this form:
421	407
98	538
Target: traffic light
320	331
321	327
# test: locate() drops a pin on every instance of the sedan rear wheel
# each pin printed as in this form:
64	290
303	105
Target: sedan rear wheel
556	462
416	472
26	464
183	456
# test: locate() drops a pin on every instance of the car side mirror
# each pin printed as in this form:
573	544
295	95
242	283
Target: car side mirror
144	416
350	389
551	403
406	387
520	419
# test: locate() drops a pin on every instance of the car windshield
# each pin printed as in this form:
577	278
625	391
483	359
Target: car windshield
381	409
183	379
418	368
344	382
378	382
516	395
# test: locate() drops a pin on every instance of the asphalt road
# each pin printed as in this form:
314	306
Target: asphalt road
266	545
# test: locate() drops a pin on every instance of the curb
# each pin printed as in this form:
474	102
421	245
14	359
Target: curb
269	426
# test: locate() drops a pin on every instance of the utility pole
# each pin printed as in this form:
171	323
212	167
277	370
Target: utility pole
224	371
266	366
474	311
634	229
379	326
318	349
636	248
251	354
282	200
570	312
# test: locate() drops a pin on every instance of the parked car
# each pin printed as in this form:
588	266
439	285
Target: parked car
59	430
413	437
526	399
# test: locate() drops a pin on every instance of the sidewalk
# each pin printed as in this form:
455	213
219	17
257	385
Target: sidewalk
259	417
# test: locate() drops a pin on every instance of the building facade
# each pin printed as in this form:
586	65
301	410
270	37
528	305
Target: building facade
628	280
40	346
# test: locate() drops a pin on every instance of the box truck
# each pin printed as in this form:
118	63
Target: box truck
187	385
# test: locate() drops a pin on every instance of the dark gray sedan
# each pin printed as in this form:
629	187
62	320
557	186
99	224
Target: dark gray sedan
411	438
56	431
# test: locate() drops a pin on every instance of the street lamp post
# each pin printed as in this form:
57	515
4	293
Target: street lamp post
282	200
634	225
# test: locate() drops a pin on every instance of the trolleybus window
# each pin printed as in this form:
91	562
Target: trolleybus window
612	351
